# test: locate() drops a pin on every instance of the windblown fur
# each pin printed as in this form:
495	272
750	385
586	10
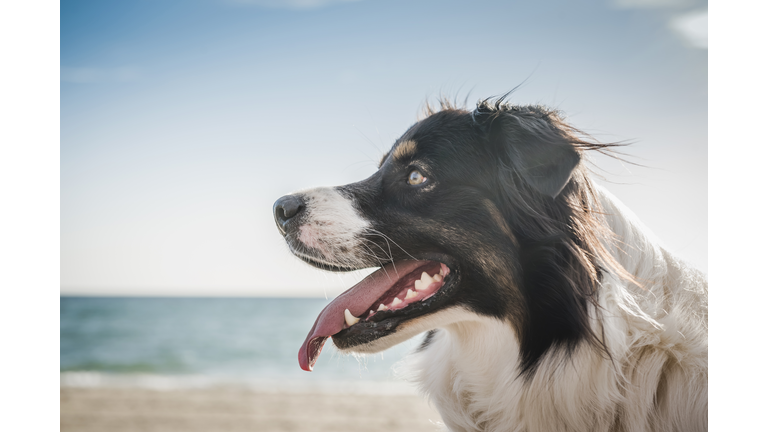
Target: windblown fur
560	312
655	378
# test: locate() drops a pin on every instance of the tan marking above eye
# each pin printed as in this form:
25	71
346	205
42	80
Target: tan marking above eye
404	151
416	177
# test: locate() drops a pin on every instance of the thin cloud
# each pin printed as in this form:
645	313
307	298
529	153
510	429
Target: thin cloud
693	28
688	17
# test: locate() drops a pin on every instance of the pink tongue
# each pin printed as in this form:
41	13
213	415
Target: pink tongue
357	299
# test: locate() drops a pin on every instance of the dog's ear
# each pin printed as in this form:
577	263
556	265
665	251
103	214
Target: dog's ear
534	145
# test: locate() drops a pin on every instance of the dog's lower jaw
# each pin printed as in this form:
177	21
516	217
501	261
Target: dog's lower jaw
413	327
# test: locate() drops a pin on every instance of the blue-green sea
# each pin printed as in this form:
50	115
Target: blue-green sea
188	342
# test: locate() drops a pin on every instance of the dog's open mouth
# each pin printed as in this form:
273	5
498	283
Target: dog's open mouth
373	308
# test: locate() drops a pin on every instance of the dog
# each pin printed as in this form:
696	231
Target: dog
547	305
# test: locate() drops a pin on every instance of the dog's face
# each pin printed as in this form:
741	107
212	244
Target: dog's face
440	222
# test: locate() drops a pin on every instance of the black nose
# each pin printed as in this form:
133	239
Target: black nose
285	208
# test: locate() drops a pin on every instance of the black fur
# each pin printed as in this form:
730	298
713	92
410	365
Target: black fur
427	340
506	205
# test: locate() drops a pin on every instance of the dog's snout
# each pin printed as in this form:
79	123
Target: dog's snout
286	208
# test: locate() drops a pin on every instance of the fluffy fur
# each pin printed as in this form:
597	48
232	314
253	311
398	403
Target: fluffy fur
560	313
654	380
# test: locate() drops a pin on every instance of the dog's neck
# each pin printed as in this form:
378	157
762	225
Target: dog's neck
476	383
470	367
475	357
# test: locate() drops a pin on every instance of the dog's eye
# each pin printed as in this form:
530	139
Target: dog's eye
415	177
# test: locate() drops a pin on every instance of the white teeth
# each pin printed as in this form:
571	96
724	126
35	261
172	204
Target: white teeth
396	301
410	294
437	277
442	271
423	283
382	308
349	318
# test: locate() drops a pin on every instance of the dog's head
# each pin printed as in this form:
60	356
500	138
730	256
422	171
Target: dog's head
470	213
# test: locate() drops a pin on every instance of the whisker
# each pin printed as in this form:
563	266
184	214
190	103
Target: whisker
389	239
389	254
377	258
391	257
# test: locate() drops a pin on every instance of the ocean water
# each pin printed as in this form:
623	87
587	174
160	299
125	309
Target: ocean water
193	342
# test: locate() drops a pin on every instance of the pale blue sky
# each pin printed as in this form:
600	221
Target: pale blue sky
183	121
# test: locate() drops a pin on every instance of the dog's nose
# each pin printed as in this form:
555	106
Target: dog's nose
285	208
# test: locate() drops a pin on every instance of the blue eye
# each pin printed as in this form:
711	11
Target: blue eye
415	177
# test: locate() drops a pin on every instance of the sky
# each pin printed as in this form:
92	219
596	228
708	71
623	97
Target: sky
183	121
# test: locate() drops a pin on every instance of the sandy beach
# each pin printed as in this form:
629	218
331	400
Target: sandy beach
234	410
